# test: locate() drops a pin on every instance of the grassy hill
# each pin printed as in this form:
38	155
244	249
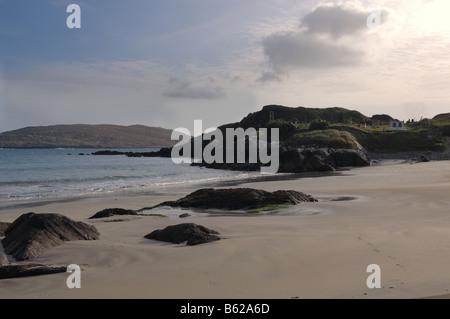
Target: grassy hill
324	138
442	118
87	136
301	115
344	124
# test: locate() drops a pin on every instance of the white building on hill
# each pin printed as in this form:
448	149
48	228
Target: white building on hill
397	126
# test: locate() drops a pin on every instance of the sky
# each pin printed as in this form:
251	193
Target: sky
166	63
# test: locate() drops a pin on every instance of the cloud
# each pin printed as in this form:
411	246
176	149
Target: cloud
268	76
331	35
336	21
185	90
297	49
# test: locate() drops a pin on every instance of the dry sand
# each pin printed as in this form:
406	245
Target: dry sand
399	219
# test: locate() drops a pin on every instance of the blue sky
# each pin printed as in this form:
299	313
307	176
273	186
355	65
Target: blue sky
168	62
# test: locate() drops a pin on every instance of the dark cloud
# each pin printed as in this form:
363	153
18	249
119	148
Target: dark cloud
185	90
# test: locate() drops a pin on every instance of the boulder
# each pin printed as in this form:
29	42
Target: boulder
108	212
293	159
190	233
25	270
347	158
31	234
238	198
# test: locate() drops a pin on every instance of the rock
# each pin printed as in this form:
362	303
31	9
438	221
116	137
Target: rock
3	227
238	198
25	270
190	233
184	215
108	212
163	152
423	159
108	152
31	234
302	160
298	160
347	158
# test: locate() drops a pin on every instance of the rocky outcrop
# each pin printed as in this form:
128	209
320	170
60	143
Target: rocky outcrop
108	212
298	160
163	152
31	234
349	158
190	233
303	160
25	270
238	199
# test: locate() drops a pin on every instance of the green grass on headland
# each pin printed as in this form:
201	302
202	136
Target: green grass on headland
324	138
391	142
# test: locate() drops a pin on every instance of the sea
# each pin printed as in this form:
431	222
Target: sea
36	174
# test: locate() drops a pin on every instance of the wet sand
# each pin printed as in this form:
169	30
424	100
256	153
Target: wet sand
393	214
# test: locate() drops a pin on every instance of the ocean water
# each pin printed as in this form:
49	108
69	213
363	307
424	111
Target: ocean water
30	174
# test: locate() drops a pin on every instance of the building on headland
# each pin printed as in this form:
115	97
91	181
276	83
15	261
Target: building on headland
397	126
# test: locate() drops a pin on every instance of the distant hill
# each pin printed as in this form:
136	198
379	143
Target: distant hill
87	136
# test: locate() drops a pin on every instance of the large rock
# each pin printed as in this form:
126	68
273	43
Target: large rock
3	227
238	198
190	233
347	158
25	270
31	234
302	160
108	212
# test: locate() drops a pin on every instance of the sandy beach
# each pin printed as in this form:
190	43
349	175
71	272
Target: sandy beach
395	214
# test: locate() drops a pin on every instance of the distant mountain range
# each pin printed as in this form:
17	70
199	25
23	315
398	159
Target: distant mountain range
87	136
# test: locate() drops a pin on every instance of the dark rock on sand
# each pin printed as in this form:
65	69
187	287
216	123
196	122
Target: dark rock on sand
238	198
302	160
298	160
347	158
423	159
24	270
108	212
31	234
190	233
3	227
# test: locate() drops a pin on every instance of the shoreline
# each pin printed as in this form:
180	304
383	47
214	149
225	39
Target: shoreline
397	219
168	190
